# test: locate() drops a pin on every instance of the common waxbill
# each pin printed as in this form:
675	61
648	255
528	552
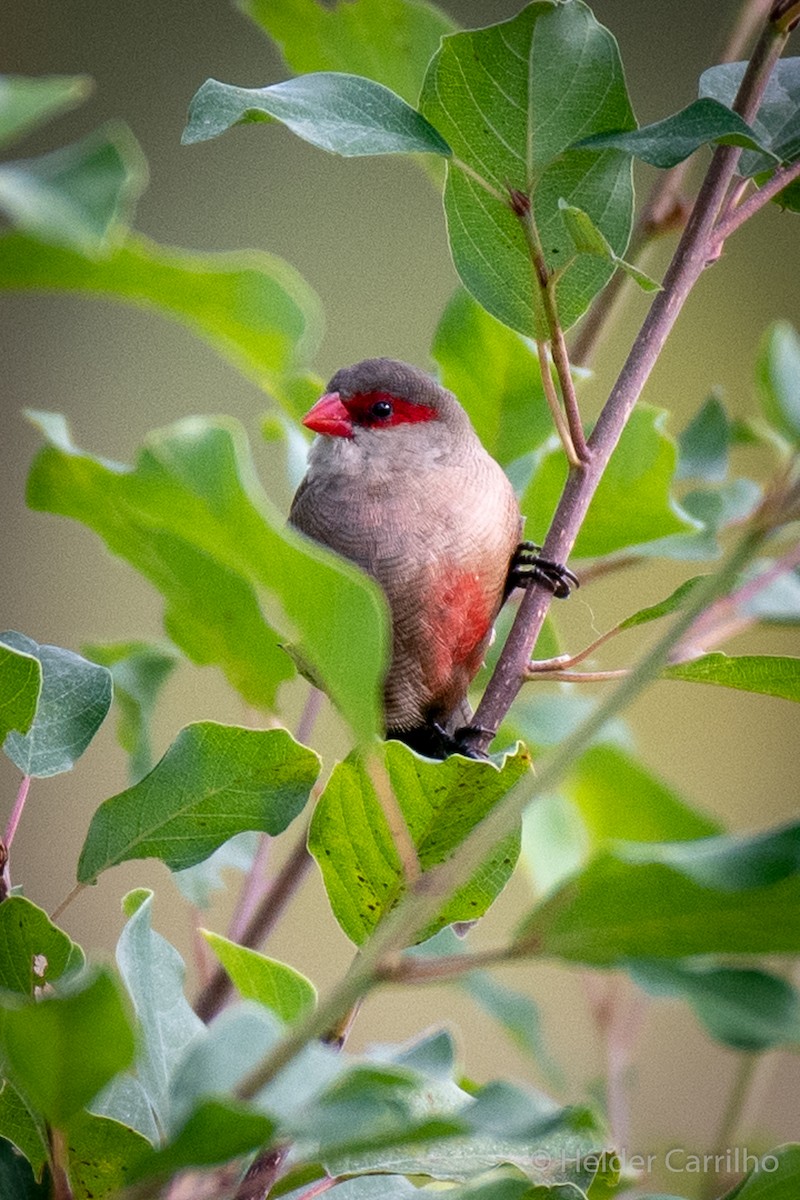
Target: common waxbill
399	483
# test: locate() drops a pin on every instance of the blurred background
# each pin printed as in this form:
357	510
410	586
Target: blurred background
368	235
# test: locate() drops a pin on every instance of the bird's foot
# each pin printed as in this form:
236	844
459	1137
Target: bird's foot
434	741
528	567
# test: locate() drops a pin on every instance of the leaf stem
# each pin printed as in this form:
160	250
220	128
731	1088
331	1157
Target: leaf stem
731	1116
76	891
16	812
553	404
575	447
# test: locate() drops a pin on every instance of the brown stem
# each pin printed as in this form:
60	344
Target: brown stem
749	207
284	885
408	970
577	676
551	395
545	281
688	264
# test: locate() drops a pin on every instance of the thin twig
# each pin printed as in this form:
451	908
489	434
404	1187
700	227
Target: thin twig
775	184
577	676
76	891
729	1124
284	885
544	281
551	395
16	812
405	969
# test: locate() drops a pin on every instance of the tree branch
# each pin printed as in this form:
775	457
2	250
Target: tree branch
688	263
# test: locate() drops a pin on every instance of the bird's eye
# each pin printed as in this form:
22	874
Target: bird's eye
381	410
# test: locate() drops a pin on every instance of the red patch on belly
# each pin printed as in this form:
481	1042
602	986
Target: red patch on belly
465	616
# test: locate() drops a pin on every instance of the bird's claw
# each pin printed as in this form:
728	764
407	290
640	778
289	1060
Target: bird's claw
528	567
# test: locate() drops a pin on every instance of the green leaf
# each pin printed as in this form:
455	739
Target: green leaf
27	103
80	196
510	100
711	509
594	806
440	802
588	239
199	883
192	517
217	1131
20	685
74	701
24	1129
745	1008
704	444
632	503
345	114
495	374
777	123
670	604
668	142
766	674
776	1177
52	1050
721	895
16	1177
214	781
153	973
139	670
282	989
391	41
618	798
101	1156
33	951
252	308
502	1125
778	379
223	1054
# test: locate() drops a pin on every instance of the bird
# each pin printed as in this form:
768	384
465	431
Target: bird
399	483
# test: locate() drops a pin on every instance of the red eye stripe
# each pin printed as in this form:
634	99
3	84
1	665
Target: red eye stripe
369	409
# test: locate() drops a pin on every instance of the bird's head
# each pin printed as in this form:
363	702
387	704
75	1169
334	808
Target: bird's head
382	394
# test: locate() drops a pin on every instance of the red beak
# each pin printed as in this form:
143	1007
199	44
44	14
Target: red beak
329	416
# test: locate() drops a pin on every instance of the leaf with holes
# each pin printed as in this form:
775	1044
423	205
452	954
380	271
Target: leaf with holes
33	951
440	801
